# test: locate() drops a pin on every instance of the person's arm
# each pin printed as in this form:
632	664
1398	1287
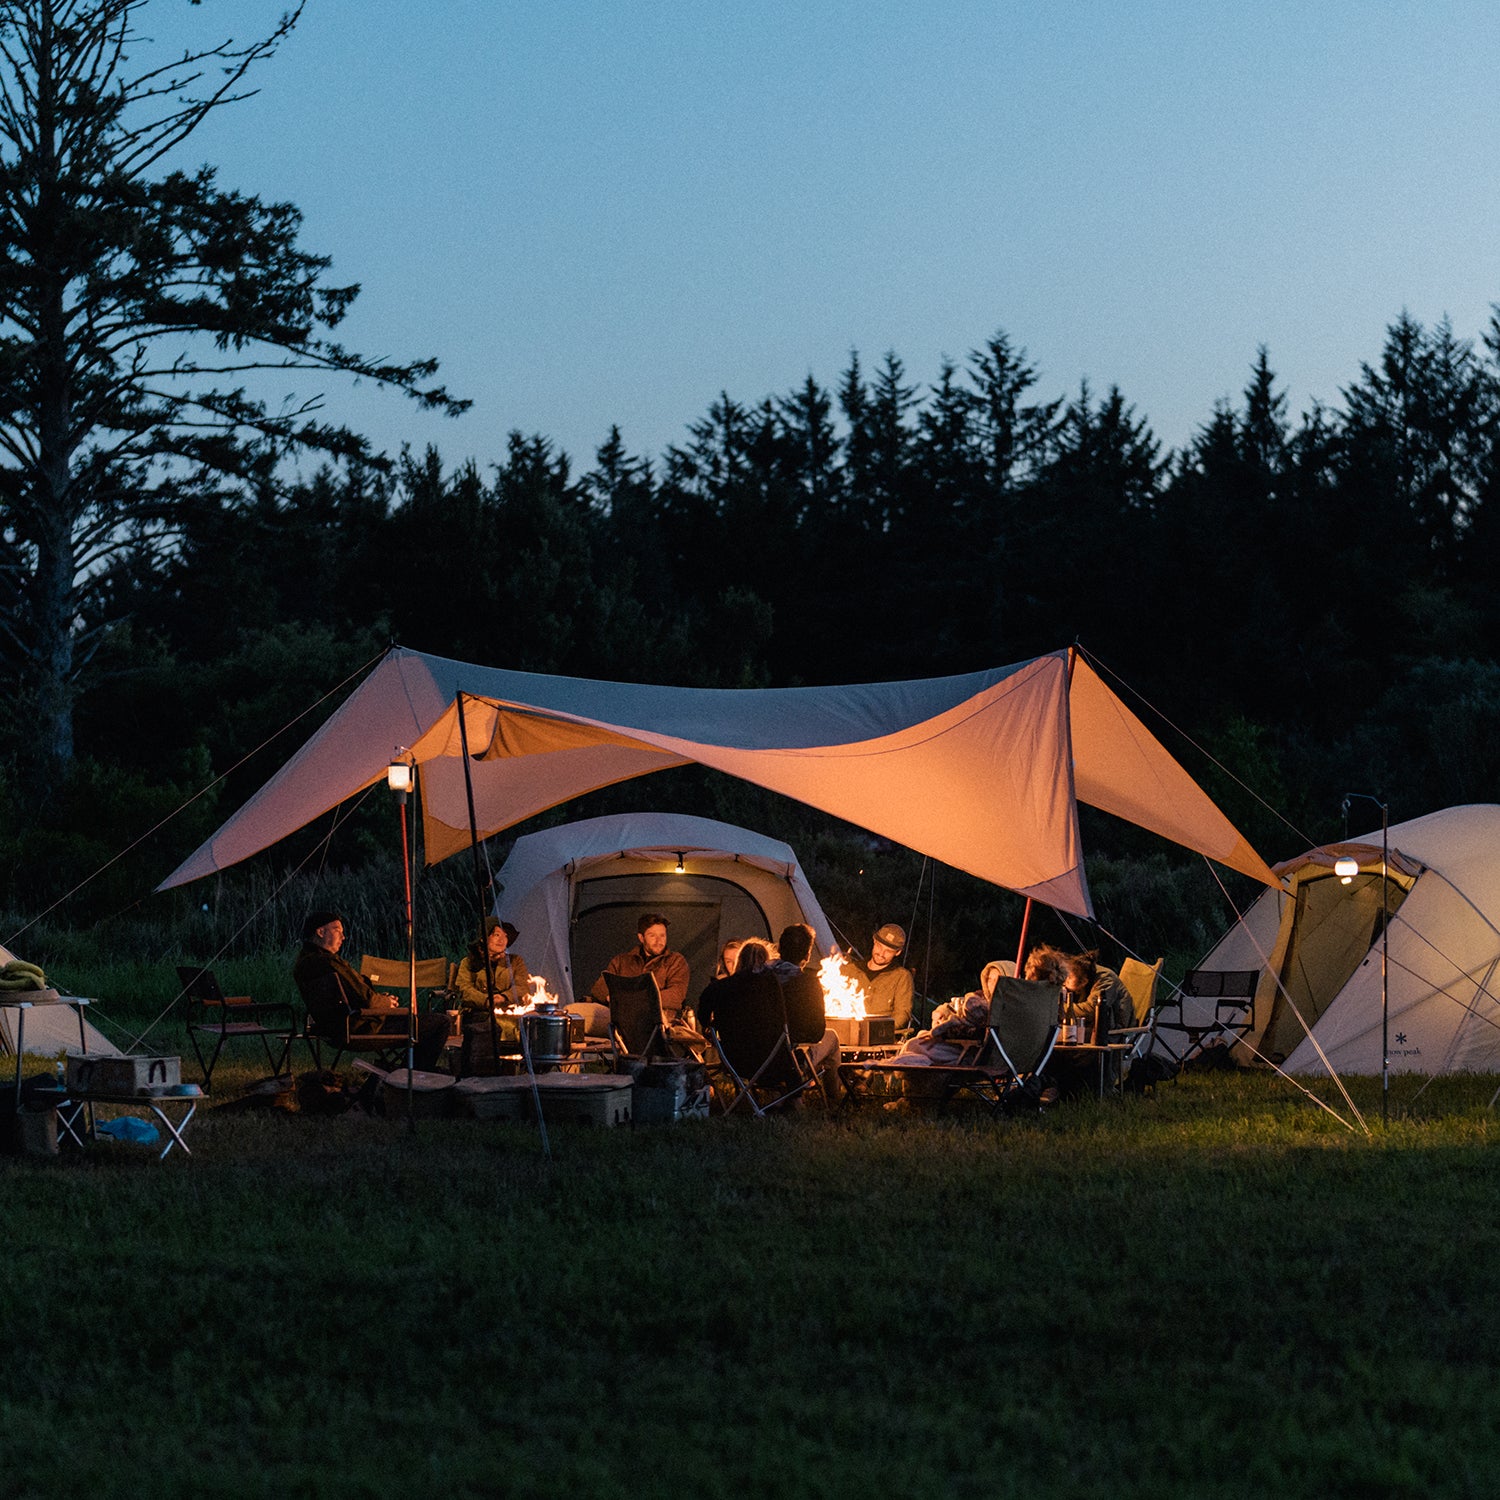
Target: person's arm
672	980
522	977
599	994
901	997
472	993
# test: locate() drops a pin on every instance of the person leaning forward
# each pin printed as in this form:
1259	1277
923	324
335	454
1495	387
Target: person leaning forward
332	990
651	956
886	984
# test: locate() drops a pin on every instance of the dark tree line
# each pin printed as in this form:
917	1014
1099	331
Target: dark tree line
1312	600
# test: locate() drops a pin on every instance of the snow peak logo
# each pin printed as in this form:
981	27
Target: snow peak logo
1401	1049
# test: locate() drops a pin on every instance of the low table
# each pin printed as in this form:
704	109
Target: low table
75	1115
1082	1051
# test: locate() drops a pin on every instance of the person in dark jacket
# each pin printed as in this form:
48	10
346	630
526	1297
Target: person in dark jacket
748	1016
332	990
802	990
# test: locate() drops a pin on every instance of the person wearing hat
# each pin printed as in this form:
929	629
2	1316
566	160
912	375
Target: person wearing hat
884	981
332	989
512	979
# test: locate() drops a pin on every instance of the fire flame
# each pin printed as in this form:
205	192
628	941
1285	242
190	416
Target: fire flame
540	995
841	996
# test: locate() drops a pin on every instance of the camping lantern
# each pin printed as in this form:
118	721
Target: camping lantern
398	776
1346	869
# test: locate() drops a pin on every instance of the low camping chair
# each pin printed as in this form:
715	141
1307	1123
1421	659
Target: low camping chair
1211	1008
437	980
1005	1066
637	1027
755	1062
387	1040
212	1013
1140	980
434	975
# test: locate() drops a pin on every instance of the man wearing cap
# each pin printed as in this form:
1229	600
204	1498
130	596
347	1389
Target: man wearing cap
885	982
332	990
650	956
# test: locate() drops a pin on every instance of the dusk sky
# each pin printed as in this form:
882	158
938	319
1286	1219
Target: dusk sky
598	213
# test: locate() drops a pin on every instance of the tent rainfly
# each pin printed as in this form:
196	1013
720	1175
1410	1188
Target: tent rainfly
982	771
576	891
1317	947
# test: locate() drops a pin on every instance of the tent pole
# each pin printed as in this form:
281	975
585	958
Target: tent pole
484	946
1021	946
479	884
411	964
1385	950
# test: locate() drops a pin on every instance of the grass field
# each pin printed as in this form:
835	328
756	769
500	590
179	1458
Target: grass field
1213	1291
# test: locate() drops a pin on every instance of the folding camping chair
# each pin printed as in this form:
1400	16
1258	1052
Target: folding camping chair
637	1027
1211	1008
1141	981
757	1064
386	1039
1002	1069
212	1013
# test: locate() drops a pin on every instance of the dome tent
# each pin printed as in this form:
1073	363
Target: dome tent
575	892
1317	947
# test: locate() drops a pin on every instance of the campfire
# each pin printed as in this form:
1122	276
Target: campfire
540	995
842	998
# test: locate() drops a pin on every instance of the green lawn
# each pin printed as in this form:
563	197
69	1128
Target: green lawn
1215	1291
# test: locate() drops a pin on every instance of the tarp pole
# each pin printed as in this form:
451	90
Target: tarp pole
484	946
411	963
479	885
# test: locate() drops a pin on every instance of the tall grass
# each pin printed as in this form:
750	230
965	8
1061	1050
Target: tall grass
1214	1291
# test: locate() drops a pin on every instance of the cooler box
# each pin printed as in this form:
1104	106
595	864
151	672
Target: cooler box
104	1073
493	1098
588	1098
429	1092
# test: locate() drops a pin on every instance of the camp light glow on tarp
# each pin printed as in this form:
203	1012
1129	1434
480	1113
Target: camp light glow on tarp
1346	869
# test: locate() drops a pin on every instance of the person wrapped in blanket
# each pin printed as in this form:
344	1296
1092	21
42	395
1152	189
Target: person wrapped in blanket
959	1022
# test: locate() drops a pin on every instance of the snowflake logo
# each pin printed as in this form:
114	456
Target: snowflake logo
1400	1038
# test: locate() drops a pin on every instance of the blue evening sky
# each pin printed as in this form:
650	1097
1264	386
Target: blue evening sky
608	211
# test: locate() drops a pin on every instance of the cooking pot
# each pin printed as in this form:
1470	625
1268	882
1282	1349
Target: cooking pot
547	1035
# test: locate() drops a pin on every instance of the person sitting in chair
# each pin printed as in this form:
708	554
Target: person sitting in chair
512	979
334	992
802	990
885	982
652	956
748	1017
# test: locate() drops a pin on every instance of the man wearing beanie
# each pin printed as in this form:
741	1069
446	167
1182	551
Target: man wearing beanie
332	990
885	982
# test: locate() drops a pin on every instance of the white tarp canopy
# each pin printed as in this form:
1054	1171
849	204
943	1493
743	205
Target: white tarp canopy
982	771
631	861
1318	948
